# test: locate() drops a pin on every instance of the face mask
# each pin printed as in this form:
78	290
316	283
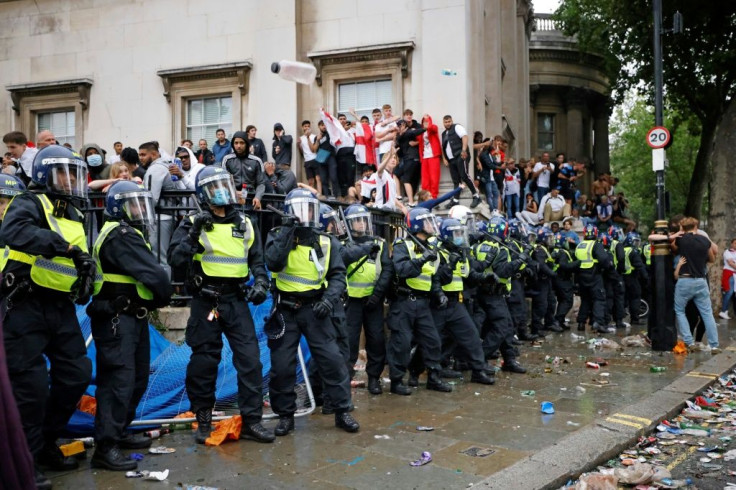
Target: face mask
94	160
221	197
459	241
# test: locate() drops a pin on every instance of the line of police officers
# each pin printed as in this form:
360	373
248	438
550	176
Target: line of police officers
456	293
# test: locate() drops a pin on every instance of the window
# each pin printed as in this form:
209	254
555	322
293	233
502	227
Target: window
363	96
206	116
546	131
60	123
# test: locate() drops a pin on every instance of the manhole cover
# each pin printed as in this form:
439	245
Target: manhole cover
478	452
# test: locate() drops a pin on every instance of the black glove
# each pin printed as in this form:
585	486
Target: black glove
428	256
202	220
442	301
576	263
86	267
375	248
372	301
491	278
258	293
322	309
524	257
454	259
289	220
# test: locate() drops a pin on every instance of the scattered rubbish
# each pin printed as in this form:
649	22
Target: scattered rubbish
151	475
224	430
136	456
574	424
605	374
635	341
357	383
580	389
478	452
547	407
87	441
730	455
381	436
603	343
424	459
161	450
597	481
575	336
680	348
657	369
72	449
641	473
189	486
155	434
592	365
705	460
477	393
698	414
529	393
424	428
134	474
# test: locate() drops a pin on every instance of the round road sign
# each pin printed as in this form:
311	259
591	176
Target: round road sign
658	137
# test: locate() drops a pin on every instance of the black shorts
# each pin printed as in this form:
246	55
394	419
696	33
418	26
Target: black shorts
312	168
411	172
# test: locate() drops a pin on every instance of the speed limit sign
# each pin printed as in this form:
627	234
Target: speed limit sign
658	137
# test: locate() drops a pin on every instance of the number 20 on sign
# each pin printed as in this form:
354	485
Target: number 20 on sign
658	137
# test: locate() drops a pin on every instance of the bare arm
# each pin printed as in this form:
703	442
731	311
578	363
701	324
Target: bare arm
680	263
308	187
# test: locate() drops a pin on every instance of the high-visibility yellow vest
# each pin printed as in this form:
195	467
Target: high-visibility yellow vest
305	270
56	273
548	257
363	280
628	268
647	252
481	252
423	282
103	277
614	244
584	253
225	249
461	272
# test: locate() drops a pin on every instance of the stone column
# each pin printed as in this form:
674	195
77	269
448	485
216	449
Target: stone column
601	156
575	100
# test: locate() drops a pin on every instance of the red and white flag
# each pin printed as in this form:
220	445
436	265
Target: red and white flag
334	128
364	152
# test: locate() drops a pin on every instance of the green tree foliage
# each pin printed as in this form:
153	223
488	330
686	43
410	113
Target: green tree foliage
699	64
631	158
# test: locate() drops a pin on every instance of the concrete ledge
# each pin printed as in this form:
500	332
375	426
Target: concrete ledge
595	444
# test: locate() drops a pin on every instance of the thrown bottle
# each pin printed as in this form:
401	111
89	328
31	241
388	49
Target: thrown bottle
295	71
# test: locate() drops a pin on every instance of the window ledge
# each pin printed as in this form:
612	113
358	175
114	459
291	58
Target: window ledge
401	50
81	86
238	69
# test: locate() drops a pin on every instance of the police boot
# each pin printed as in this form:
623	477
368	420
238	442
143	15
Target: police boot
526	335
450	373
346	422
110	457
434	382
482	378
554	327
603	328
204	425
413	380
516	341
327	408
374	386
285	425
256	432
42	481
513	366
134	441
581	327
52	458
399	388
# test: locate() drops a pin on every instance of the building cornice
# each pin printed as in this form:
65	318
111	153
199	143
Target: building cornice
81	86
360	54
238	70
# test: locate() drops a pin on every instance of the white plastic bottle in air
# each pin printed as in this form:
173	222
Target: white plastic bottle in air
295	71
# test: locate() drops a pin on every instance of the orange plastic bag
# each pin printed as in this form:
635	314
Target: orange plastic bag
225	429
88	404
680	348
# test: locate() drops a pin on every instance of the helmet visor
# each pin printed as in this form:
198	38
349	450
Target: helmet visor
458	235
550	240
636	242
360	224
219	190
306	210
68	179
429	224
532	236
138	208
333	224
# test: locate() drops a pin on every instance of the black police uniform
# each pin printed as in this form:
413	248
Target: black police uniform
517	306
633	285
120	329
543	285
219	307
563	283
306	313
614	284
41	321
591	289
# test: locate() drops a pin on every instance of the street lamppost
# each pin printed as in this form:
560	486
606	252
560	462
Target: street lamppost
662	331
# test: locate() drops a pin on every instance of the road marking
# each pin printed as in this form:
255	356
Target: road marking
697	374
631	417
732	349
682	457
625	422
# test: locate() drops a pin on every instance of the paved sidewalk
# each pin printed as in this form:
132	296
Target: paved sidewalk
498	420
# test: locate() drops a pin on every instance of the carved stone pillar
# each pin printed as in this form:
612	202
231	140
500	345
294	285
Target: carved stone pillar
601	150
575	102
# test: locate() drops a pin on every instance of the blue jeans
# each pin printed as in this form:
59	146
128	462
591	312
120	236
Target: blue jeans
511	202
492	193
728	295
541	192
688	288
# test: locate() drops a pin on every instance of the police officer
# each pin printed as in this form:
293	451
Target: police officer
516	240
593	260
495	258
369	276
543	284
130	283
10	186
563	283
635	270
416	262
309	279
221	249
613	279
48	269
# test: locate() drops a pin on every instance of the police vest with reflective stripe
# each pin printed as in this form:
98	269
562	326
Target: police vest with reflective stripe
362	282
481	252
461	272
628	268
103	277
548	257
584	253
614	245
57	273
305	270
423	282
226	249
647	252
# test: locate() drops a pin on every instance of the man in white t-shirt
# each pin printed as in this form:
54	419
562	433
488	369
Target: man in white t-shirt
385	131
455	155
385	185
346	156
542	172
311	166
729	278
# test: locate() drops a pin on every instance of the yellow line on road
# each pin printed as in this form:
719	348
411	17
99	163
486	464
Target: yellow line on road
681	457
631	417
697	374
625	422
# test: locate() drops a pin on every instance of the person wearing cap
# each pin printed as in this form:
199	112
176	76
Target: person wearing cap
281	148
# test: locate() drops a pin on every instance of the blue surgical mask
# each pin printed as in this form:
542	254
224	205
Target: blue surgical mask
221	197
459	241
94	160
